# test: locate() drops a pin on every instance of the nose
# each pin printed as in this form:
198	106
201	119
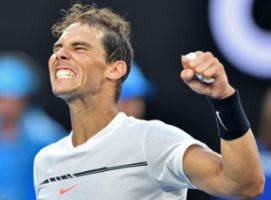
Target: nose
62	54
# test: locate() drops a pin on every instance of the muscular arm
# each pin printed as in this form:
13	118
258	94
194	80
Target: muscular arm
236	173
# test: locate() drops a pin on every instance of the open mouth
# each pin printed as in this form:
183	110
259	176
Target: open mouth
64	73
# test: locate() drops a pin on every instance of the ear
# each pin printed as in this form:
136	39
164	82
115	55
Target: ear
116	70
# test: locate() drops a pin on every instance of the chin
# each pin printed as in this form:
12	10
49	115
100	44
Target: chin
65	95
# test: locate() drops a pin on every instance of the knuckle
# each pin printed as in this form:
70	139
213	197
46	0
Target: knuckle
215	60
199	53
209	54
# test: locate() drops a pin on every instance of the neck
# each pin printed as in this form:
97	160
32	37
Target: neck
89	115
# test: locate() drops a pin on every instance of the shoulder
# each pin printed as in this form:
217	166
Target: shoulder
156	132
157	127
132	122
164	137
153	127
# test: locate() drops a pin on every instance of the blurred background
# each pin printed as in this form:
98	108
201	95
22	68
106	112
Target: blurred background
237	32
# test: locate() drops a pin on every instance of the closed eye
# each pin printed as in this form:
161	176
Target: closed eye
78	48
56	47
81	46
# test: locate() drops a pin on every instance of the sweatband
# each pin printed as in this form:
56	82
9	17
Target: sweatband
231	119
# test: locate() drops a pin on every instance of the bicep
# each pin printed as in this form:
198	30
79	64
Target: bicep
204	168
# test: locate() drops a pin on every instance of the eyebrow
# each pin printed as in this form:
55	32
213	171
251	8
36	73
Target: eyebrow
56	45
74	44
81	43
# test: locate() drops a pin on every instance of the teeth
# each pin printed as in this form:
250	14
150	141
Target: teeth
65	73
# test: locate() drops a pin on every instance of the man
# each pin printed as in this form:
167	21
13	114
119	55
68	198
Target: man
111	156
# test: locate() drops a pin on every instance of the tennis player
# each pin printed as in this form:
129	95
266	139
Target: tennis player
110	156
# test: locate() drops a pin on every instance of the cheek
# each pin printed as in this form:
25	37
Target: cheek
93	79
95	72
51	61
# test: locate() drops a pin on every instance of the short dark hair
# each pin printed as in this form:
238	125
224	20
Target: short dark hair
116	39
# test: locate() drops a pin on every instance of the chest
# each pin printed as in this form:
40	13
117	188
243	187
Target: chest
124	181
107	171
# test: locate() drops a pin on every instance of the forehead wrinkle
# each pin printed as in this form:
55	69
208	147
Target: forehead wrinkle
83	29
97	30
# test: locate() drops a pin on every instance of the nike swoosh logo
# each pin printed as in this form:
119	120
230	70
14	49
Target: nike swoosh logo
220	120
62	191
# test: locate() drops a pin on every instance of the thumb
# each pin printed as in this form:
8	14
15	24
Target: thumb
187	75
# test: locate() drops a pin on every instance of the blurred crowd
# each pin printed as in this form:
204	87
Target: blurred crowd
24	127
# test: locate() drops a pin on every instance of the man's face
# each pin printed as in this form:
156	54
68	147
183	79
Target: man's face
78	63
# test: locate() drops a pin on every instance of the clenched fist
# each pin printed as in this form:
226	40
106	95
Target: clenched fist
208	67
